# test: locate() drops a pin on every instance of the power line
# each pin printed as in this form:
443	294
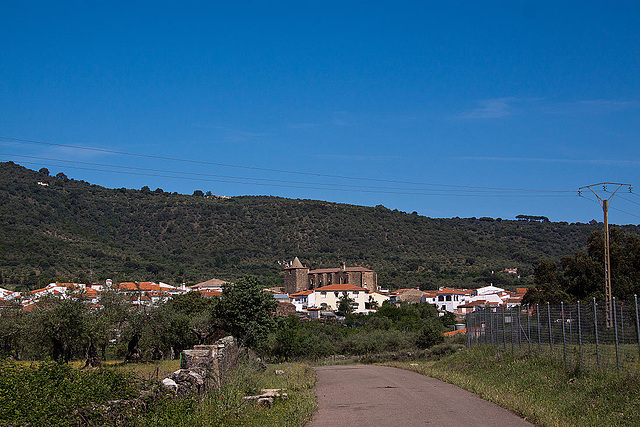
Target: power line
416	193
612	208
176	159
625	212
165	171
629	200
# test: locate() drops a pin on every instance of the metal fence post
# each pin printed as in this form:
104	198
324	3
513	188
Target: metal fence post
550	331
519	333
504	328
484	328
468	329
580	335
538	320
473	329
511	329
529	326
564	336
622	321
595	324
491	318
637	323
615	327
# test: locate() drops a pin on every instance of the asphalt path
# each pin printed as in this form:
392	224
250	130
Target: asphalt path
363	395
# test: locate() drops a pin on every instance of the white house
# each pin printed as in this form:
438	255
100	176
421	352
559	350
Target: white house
447	299
303	300
365	301
489	290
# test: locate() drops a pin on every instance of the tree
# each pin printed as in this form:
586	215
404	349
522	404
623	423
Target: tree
246	311
345	304
429	336
199	312
372	304
103	325
61	175
44	171
448	319
549	285
59	325
198	193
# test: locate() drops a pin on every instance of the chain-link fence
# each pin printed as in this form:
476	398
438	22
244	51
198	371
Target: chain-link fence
579	333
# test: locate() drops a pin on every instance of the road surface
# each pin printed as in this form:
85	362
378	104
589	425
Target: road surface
362	395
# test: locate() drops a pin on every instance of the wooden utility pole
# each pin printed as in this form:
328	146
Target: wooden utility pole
607	262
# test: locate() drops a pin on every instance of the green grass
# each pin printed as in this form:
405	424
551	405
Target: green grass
51	394
540	388
226	406
152	370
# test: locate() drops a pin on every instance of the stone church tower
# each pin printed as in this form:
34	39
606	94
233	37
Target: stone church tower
296	277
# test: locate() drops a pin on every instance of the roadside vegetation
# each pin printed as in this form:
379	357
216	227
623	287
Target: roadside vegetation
393	328
540	388
54	394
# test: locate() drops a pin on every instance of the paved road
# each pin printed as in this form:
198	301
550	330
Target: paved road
361	395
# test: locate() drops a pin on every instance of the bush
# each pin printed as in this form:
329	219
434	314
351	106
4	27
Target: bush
429	336
52	394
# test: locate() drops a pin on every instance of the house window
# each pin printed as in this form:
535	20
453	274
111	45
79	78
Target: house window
355	293
440	298
336	294
323	294
448	297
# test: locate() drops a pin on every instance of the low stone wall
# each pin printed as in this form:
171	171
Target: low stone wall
204	367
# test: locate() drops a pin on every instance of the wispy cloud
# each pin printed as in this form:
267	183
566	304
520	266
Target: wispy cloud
599	162
493	108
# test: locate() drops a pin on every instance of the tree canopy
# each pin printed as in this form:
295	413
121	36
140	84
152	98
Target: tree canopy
71	230
581	276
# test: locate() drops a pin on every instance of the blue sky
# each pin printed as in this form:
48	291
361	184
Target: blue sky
467	109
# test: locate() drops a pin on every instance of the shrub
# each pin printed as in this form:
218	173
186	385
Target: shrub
429	336
52	394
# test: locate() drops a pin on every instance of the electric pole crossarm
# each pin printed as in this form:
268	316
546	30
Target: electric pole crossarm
607	261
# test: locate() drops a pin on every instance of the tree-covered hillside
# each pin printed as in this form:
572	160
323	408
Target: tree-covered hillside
74	231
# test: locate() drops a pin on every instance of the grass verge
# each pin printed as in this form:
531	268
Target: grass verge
51	394
539	388
226	407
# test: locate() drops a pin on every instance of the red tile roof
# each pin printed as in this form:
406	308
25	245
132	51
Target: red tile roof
141	286
210	292
301	294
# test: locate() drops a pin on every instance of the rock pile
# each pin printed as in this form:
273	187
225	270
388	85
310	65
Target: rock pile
204	367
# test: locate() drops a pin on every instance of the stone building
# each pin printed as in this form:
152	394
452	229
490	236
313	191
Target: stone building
299	278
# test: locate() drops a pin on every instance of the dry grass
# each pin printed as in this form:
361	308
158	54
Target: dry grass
540	388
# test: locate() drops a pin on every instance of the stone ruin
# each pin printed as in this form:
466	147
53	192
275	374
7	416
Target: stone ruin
204	367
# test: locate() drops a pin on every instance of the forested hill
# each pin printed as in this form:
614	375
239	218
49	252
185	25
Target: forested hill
74	231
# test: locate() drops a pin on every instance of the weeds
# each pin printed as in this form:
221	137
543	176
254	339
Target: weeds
52	394
539	387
